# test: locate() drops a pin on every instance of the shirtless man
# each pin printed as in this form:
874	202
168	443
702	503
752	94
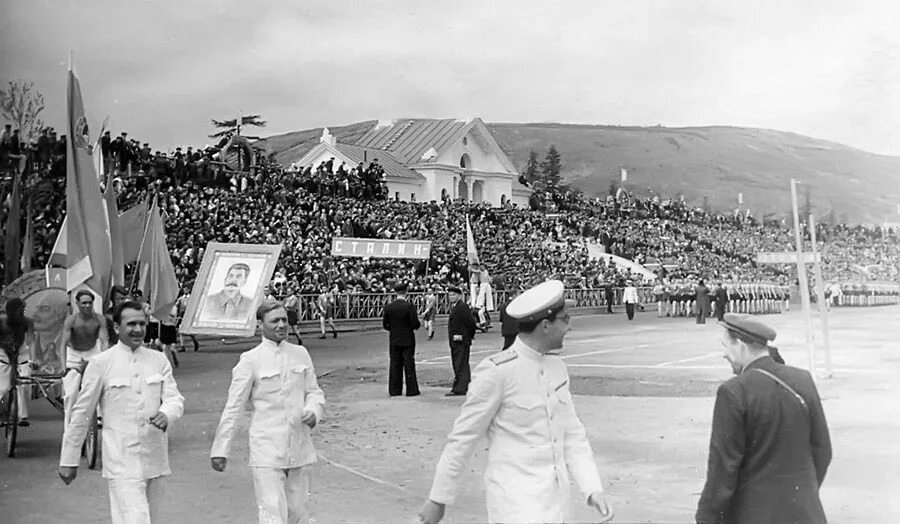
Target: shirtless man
84	335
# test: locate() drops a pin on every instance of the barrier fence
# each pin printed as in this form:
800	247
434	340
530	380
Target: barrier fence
371	306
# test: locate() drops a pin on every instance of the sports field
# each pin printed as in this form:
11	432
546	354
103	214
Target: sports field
644	392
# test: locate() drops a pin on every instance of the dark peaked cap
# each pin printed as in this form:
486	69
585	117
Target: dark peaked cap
746	326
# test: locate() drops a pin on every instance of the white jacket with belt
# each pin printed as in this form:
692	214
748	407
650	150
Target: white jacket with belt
277	382
131	387
520	401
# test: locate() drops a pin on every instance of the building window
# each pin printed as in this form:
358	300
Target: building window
502	200
465	161
465	141
412	197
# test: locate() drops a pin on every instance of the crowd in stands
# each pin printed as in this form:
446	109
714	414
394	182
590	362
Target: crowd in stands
303	209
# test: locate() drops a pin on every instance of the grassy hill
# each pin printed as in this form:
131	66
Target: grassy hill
705	164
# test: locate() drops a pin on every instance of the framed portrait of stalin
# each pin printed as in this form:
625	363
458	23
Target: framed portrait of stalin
229	288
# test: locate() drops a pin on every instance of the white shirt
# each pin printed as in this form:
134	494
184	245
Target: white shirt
630	295
278	382
131	387
520	401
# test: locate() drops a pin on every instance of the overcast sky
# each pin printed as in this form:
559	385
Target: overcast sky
161	69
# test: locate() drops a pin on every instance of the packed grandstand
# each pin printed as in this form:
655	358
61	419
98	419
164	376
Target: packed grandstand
202	201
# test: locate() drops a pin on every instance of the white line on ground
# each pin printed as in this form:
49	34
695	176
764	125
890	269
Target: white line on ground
688	368
362	475
437	360
605	351
701	357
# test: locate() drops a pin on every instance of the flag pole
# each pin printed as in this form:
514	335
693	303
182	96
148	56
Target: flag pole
141	250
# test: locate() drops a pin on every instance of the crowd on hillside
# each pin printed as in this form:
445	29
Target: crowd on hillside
303	209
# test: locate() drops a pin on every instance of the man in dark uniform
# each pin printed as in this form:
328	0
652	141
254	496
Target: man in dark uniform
509	326
460	330
400	320
609	296
721	301
702	302
770	447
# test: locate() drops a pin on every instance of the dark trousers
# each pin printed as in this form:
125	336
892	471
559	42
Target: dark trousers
462	374
629	310
702	313
508	341
720	311
403	363
609	304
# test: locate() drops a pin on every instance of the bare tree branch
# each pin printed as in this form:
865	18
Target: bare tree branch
21	104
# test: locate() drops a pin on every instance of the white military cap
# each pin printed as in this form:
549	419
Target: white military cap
542	301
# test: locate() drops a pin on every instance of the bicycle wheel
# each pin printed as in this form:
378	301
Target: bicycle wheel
12	421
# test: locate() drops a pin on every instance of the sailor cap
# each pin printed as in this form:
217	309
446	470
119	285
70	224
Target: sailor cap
540	302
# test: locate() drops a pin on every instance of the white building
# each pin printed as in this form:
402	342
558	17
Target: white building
427	159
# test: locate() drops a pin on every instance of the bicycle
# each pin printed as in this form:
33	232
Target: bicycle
90	451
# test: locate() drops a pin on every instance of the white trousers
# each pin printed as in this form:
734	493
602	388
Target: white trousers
281	495
24	392
72	380
135	501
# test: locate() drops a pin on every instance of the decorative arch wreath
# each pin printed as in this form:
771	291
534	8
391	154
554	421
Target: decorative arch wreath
238	154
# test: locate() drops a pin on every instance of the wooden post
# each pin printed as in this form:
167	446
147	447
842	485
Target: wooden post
804	283
820	296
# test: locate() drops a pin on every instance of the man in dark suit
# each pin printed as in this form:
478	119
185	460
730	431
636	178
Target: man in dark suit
721	301
770	447
509	326
702	293
460	330
401	320
609	295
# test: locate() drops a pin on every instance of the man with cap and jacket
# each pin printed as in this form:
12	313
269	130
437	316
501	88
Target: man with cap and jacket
520	401
461	331
509	326
770	447
401	321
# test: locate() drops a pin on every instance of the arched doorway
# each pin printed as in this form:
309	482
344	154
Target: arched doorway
443	194
465	161
462	191
477	191
502	200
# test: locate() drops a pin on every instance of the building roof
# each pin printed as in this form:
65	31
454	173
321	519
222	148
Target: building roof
392	167
408	139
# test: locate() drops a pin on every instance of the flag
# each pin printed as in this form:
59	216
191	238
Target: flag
131	230
13	229
471	250
740	199
58	254
97	151
88	255
157	276
624	174
115	234
28	242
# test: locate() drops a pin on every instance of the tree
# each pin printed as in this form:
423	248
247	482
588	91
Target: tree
231	127
21	104
551	167
532	168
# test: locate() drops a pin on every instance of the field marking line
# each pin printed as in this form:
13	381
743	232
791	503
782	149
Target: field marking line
362	475
700	368
605	351
683	360
436	360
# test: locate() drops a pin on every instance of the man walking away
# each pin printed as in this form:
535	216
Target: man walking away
702	302
460	331
770	448
630	298
401	321
509	326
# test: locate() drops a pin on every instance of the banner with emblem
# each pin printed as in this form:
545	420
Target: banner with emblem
88	252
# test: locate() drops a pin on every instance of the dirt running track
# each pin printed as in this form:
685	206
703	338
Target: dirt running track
645	393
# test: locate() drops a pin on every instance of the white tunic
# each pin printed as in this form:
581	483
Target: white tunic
520	400
131	387
278	382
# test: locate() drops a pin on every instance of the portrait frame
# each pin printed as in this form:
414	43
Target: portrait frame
205	314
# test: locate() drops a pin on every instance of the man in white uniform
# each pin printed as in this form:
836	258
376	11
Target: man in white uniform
520	401
139	398
278	381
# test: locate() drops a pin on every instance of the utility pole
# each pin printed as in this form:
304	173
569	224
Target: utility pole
804	283
820	296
